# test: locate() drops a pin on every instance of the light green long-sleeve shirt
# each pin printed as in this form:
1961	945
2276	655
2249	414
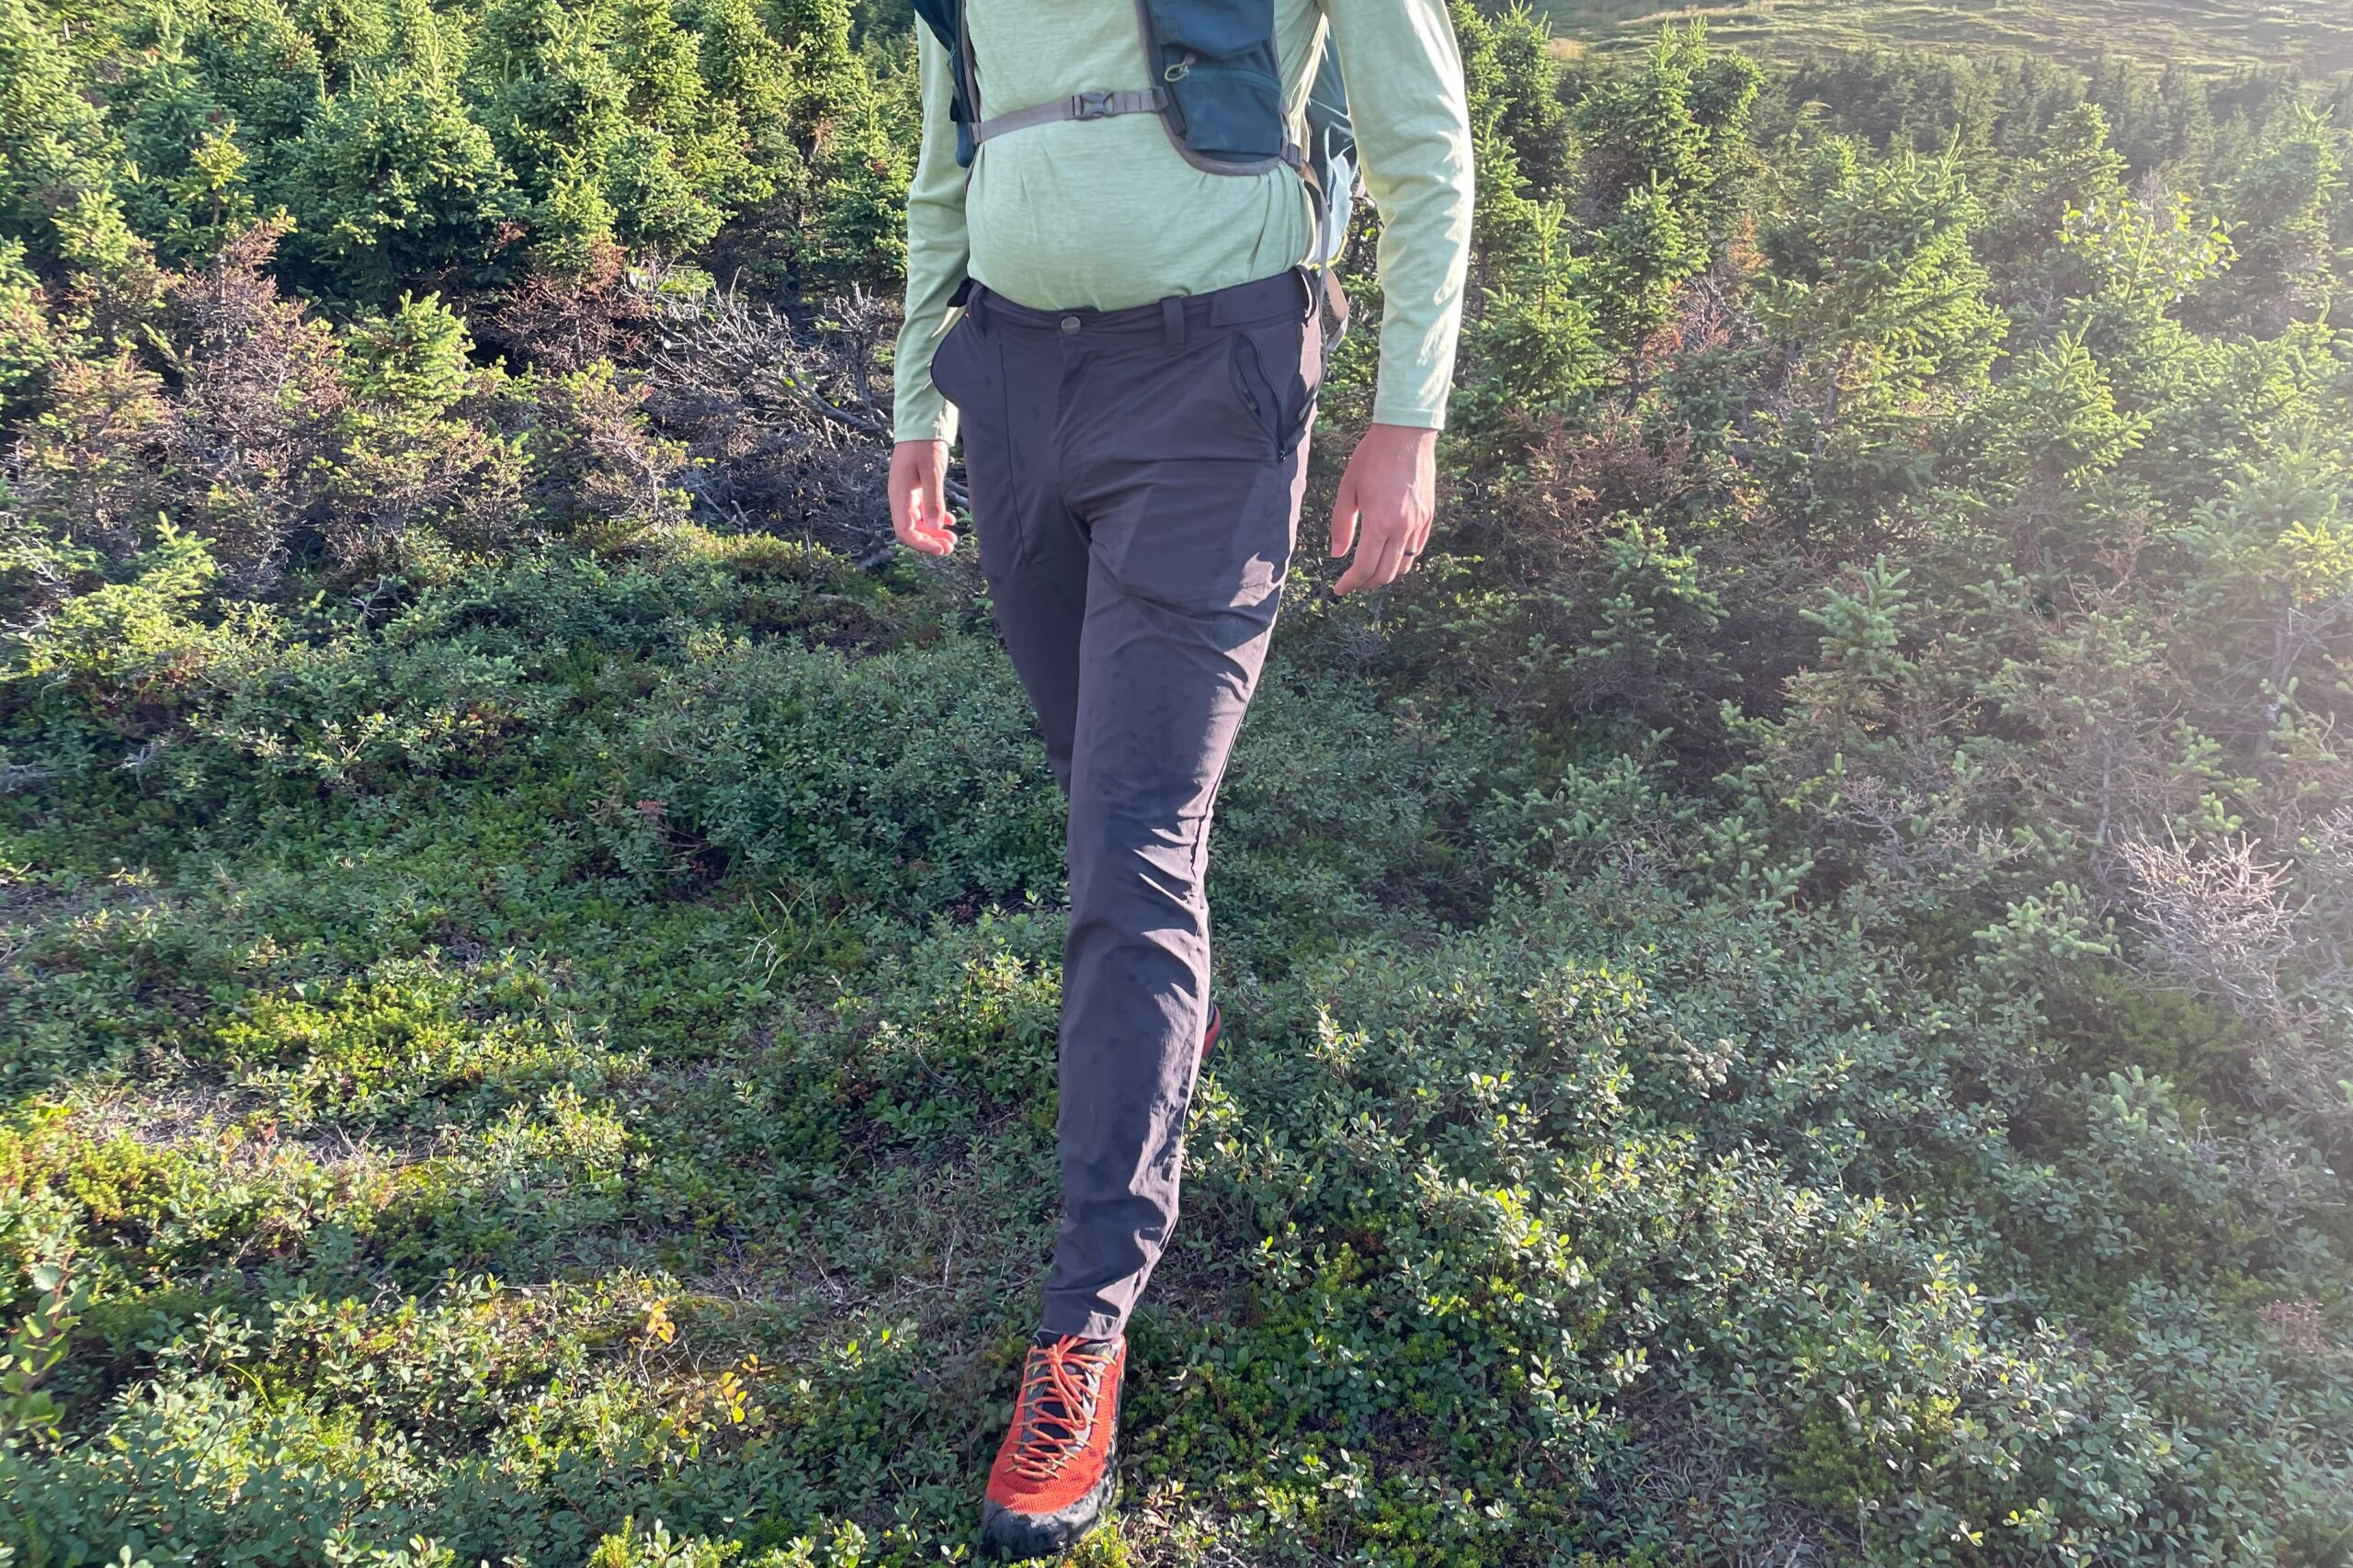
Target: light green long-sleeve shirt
1106	214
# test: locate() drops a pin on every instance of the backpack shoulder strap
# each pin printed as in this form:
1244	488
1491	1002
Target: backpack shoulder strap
941	17
1330	154
944	19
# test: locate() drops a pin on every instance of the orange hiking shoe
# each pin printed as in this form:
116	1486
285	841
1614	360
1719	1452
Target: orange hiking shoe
1217	1027
1058	1468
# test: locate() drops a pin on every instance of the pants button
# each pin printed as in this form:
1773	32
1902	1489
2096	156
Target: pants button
1070	324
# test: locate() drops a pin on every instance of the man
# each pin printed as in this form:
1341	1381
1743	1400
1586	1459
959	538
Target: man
1135	362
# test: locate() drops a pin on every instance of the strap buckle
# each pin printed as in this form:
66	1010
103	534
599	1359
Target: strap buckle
1094	104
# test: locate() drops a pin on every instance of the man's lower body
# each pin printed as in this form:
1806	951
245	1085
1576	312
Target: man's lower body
1135	480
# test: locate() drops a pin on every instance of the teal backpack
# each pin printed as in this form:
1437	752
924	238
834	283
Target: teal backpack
1216	87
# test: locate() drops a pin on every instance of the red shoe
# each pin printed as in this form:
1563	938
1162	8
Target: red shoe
1217	1027
1058	1468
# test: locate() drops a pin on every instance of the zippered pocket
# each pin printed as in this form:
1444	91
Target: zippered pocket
1230	110
1241	73
1250	385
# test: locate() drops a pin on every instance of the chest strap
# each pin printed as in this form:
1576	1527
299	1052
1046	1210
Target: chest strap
1078	106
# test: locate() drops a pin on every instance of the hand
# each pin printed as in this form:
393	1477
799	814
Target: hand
919	513
1387	499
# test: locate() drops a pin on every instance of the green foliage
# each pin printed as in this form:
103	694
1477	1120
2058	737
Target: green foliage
543	80
2280	211
1518	118
28	343
860	178
1664	148
872	811
1875	279
124	635
57	178
1785	991
416	360
1539	353
395	181
450	148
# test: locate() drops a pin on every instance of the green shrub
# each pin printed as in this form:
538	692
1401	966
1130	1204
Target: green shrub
1785	990
912	779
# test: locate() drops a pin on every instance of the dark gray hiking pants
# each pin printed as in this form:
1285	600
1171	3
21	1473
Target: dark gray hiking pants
1135	479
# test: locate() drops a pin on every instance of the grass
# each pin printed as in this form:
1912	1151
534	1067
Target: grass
2316	36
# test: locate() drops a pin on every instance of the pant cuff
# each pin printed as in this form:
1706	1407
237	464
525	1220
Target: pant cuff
1085	1321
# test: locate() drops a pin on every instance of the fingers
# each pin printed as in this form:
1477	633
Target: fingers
920	519
1413	538
1418	544
1392	547
919	514
928	527
1379	558
1344	513
1380	550
1396	555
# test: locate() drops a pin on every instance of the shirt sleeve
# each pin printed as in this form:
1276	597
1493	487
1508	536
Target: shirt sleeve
1412	119
937	256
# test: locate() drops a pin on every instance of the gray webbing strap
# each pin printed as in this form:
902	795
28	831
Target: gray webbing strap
1329	295
1078	106
1317	202
1335	300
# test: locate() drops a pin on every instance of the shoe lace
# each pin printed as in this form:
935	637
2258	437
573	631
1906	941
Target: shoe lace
1056	1407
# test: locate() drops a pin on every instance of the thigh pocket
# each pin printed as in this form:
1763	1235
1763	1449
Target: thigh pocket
1246	370
942	367
969	370
1276	374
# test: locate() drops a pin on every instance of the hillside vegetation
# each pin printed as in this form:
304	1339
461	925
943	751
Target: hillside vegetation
2207	35
1791	996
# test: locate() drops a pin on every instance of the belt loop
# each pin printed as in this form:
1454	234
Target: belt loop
1172	322
973	310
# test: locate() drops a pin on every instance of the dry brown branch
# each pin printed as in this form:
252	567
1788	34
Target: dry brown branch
2219	921
789	426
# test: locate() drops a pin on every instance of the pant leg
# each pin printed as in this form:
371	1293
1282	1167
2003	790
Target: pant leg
1187	464
1007	384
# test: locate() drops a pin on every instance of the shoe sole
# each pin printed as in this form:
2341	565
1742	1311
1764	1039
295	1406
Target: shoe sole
1009	1537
